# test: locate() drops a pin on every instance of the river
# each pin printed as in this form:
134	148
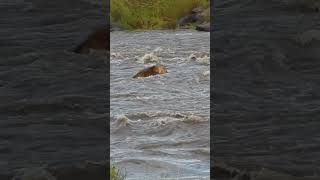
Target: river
52	102
266	86
160	124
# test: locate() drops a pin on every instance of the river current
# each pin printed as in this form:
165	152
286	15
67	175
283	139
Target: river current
160	124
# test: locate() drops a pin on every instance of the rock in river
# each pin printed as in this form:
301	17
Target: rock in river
203	27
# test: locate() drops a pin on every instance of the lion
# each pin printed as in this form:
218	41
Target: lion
151	71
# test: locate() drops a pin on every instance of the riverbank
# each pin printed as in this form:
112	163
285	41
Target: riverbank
158	14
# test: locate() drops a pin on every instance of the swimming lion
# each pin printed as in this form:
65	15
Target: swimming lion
151	71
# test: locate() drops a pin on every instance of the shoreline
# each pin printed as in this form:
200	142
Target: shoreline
167	29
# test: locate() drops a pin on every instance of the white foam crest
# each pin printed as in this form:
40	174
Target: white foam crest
121	121
161	118
149	58
194	119
114	55
157	51
200	57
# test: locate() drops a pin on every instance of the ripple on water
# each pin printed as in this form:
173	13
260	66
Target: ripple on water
160	124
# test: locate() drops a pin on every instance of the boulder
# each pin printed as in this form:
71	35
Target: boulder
203	27
192	18
198	15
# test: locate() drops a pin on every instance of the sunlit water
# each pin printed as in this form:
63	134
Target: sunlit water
160	124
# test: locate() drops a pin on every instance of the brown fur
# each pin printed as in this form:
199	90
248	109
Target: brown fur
98	40
151	71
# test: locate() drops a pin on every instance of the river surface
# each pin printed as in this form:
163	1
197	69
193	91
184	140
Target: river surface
160	124
266	86
52	101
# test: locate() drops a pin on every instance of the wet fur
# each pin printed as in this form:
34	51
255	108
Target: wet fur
151	71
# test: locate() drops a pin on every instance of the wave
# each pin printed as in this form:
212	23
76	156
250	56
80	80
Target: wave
162	55
222	171
200	57
163	142
154	120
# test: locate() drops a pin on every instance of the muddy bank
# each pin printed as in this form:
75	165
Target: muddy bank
266	87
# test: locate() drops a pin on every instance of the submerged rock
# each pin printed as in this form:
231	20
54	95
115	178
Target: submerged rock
200	57
198	16
197	55
98	40
192	18
203	27
151	71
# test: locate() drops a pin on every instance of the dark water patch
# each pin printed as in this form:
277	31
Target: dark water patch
266	90
52	99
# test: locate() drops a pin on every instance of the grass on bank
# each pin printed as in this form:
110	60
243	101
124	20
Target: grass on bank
115	174
152	14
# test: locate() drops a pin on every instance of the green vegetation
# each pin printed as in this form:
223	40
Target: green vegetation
115	174
152	14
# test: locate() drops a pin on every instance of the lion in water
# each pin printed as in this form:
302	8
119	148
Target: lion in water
98	40
151	71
